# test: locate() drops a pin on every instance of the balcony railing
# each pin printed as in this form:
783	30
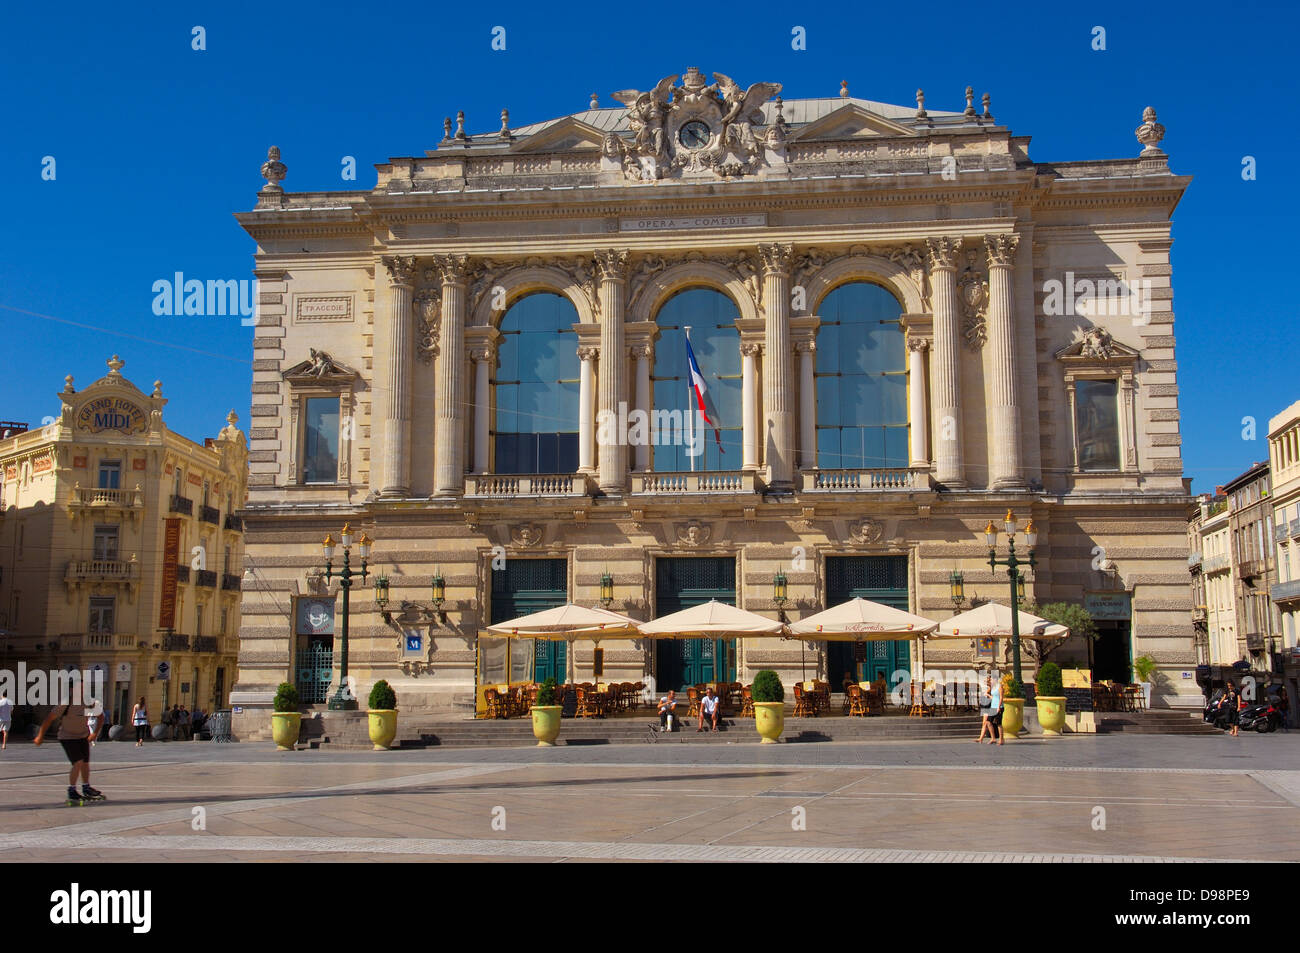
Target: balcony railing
181	504
206	577
699	483
851	481
105	498
182	572
234	523
210	514
1216	563
1254	641
510	486
1285	591
1250	568
1194	561
175	643
230	582
1293	528
99	640
205	643
103	570
1280	534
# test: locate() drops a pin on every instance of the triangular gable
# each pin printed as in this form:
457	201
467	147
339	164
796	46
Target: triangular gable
565	135
1095	345
851	121
320	368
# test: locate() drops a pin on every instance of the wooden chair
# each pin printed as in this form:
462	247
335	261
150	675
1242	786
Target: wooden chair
692	701
917	707
638	688
857	704
496	707
802	705
586	703
746	702
875	702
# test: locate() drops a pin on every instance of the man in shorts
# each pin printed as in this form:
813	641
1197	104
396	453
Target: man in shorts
6	715
74	736
709	706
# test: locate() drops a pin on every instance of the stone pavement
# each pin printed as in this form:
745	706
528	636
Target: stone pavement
1160	799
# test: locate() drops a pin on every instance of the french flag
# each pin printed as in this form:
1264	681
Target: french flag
703	401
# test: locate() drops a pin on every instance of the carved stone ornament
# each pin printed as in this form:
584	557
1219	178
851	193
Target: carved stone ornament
1002	249
1150	133
526	535
401	268
973	296
1097	343
320	368
943	251
428	322
697	127
866	532
274	171
693	534
912	257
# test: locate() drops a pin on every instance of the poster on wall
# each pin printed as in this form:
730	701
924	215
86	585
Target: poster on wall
315	616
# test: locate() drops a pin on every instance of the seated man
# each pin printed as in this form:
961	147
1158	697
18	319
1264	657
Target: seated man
710	705
667	709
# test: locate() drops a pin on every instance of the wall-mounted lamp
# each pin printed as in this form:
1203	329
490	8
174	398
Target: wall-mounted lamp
957	588
606	590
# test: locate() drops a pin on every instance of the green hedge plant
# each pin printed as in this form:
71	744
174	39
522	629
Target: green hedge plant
1012	687
382	697
286	698
546	693
1144	666
767	687
1049	681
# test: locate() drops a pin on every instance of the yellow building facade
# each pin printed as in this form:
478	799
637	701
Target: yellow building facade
121	548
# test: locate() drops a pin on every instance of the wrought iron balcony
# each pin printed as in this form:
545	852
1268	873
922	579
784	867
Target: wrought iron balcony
205	643
1285	591
1194	562
182	572
1250	568
175	642
206	577
234	523
525	485
181	504
868	481
1254	641
699	483
1280	534
1216	563
210	514
231	582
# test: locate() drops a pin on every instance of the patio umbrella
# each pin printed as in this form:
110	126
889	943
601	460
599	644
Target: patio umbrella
862	620
715	619
993	620
567	623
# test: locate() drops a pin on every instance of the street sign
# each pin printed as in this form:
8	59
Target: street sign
163	670
413	642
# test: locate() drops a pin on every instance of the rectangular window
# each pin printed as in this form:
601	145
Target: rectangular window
110	475
225	619
1097	424
105	542
101	615
320	455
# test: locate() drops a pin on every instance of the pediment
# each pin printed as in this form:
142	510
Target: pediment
320	370
1096	346
851	121
566	135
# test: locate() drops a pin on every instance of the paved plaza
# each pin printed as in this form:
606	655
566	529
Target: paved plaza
1159	798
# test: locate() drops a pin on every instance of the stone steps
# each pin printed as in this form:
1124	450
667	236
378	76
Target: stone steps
1154	723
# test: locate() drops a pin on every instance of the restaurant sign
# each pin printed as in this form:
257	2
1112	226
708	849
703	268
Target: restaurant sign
1109	606
171	557
315	616
112	413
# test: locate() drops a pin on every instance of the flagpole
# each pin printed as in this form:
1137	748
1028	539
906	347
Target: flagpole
690	403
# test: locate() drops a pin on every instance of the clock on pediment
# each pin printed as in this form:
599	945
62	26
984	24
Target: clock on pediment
694	135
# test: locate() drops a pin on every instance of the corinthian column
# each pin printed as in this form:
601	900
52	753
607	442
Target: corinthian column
916	409
611	270
807	405
945	376
749	405
587	410
1005	467
644	354
397	402
778	420
449	393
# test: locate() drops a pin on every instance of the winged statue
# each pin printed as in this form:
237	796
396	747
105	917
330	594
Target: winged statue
742	110
646	114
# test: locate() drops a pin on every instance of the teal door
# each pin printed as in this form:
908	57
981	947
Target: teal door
681	584
523	586
880	579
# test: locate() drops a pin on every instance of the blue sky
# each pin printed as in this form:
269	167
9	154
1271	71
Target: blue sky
156	145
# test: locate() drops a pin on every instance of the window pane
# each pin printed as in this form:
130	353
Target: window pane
1098	424
536	384
321	444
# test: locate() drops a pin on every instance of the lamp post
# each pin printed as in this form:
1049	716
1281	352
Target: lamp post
343	699
1013	564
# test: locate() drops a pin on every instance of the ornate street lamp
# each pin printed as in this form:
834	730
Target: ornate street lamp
957	588
780	589
342	699
1013	564
606	590
438	593
381	597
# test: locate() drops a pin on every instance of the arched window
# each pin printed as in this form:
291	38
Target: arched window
861	380
535	426
711	316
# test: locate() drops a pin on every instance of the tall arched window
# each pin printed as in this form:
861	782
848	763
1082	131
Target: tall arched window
711	316
535	426
861	379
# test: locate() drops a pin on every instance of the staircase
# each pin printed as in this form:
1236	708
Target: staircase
1154	723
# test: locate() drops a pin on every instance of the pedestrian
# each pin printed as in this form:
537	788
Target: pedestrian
709	706
74	736
92	723
995	710
187	733
1283	702
986	696
6	717
140	719
1233	703
667	710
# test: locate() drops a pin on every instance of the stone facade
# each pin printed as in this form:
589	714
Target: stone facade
120	545
1000	267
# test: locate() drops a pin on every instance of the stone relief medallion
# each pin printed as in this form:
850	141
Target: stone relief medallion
428	317
866	532
526	535
973	295
693	534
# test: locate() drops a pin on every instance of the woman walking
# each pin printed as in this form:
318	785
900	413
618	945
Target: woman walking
140	719
985	710
1231	706
995	711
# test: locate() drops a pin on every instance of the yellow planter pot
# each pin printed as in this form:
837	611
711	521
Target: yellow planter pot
284	728
546	724
1013	716
383	727
1051	713
769	719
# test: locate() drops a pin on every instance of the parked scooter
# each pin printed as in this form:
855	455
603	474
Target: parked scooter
1264	717
1216	711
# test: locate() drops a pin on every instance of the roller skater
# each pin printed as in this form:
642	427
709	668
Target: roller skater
74	736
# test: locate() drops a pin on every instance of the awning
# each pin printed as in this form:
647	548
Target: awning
860	620
568	623
993	620
713	618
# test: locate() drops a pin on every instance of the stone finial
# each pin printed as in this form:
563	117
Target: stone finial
970	102
920	104
115	365
67	385
595	102
1150	133
460	125
232	418
446	127
505	125
273	170
157	389
986	101
844	89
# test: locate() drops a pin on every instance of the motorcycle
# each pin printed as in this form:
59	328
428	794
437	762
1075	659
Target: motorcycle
1216	711
1264	717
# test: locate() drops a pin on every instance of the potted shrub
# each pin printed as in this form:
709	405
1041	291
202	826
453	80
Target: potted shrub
1050	699
1144	667
769	705
286	720
1013	706
383	715
546	715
